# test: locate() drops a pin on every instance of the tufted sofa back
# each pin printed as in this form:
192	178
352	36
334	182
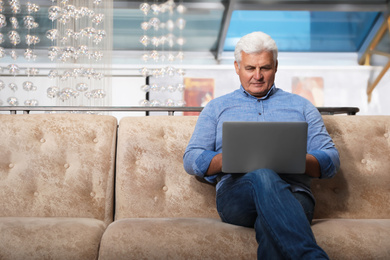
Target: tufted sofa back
57	165
151	180
361	189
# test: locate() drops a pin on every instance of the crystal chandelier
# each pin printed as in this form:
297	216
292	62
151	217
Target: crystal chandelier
163	41
13	35
81	48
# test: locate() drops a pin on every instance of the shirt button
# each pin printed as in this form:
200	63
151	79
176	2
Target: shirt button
260	114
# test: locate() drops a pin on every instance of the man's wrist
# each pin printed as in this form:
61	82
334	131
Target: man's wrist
215	165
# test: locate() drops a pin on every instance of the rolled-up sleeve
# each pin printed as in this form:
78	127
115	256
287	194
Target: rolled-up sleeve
320	144
328	166
201	148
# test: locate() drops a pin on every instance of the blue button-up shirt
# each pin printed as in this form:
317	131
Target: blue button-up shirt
277	105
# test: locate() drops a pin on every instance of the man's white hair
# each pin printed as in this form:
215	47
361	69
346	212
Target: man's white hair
255	42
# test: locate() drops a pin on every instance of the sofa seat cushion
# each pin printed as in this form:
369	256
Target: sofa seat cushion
50	238
203	238
177	238
354	238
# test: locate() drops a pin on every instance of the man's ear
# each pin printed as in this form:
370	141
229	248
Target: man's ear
237	67
276	66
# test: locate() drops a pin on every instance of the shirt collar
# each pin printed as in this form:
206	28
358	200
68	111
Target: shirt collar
270	92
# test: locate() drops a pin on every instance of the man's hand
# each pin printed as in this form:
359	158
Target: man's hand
312	166
215	165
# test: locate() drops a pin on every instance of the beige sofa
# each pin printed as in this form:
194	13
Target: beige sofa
161	212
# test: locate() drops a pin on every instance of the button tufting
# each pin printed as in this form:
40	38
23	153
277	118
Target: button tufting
36	194
42	140
364	161
92	194
165	188
95	140
336	190
66	166
11	165
386	135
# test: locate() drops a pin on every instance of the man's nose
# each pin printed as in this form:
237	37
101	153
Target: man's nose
258	75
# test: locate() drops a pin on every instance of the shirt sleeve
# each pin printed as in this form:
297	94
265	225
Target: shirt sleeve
201	148
320	144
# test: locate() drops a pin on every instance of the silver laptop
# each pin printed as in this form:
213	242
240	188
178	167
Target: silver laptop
248	146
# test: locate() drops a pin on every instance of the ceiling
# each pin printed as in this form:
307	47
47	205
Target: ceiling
297	26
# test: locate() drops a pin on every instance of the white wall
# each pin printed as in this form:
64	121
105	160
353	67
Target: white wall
346	86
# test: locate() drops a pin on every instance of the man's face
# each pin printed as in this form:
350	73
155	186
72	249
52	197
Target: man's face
257	72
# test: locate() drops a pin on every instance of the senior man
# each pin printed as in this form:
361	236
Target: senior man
279	206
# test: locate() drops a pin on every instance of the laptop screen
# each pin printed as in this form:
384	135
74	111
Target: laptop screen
248	146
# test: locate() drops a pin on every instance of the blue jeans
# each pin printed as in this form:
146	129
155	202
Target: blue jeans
261	199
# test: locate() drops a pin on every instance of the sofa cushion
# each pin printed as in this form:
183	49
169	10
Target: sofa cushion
150	179
150	164
177	238
57	165
354	238
361	189
202	238
50	238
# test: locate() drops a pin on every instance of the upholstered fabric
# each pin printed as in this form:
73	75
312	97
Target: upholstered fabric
57	165
361	189
177	238
150	155
202	238
150	178
50	238
350	239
